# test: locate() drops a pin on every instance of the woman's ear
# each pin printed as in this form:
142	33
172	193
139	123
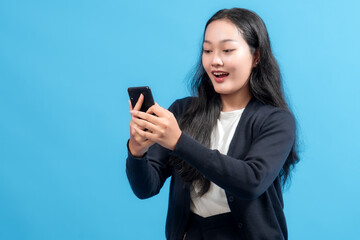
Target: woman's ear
256	57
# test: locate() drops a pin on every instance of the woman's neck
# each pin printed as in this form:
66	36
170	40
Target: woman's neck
234	102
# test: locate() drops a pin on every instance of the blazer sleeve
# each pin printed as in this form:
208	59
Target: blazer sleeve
249	177
147	174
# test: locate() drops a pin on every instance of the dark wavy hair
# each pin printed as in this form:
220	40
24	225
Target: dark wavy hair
265	86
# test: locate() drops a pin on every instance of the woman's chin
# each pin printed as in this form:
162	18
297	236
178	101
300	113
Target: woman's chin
223	90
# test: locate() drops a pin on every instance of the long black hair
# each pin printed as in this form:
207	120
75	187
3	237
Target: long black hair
265	86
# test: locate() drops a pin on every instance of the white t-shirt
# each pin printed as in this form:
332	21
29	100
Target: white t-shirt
214	201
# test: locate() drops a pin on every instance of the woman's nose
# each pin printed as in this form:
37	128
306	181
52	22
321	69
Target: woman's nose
216	61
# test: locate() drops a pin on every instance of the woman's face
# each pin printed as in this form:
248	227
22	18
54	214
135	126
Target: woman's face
227	59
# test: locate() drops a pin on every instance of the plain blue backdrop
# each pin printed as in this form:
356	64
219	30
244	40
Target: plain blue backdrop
65	67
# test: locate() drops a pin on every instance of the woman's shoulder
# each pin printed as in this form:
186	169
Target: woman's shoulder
258	107
262	113
185	100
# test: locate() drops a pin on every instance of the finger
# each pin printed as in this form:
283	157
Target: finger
132	129
146	116
139	103
145	135
133	125
147	142
157	110
139	139
135	135
143	124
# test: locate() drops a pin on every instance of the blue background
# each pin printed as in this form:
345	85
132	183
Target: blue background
65	67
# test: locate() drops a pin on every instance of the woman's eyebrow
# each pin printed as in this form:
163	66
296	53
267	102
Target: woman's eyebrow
222	41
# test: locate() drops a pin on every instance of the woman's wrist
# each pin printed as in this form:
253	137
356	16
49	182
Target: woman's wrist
136	151
178	135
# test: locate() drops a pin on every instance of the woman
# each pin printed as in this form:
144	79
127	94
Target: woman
230	149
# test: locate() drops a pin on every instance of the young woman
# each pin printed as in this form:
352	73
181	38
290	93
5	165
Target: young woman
229	149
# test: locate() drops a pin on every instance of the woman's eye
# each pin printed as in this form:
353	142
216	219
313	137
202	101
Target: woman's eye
206	51
228	50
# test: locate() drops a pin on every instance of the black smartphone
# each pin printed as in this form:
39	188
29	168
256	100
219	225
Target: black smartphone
134	94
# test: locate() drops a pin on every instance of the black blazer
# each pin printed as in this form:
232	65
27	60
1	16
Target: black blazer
249	173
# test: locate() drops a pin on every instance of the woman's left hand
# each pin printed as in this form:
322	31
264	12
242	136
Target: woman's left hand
162	127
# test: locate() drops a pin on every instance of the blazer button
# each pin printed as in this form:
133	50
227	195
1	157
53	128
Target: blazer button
240	225
231	198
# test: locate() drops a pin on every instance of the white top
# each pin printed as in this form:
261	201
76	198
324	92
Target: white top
214	201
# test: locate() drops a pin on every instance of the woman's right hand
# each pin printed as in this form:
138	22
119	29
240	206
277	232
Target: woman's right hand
138	145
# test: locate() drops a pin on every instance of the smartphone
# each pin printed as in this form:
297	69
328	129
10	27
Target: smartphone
134	94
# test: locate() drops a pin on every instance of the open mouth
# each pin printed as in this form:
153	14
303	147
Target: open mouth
219	75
